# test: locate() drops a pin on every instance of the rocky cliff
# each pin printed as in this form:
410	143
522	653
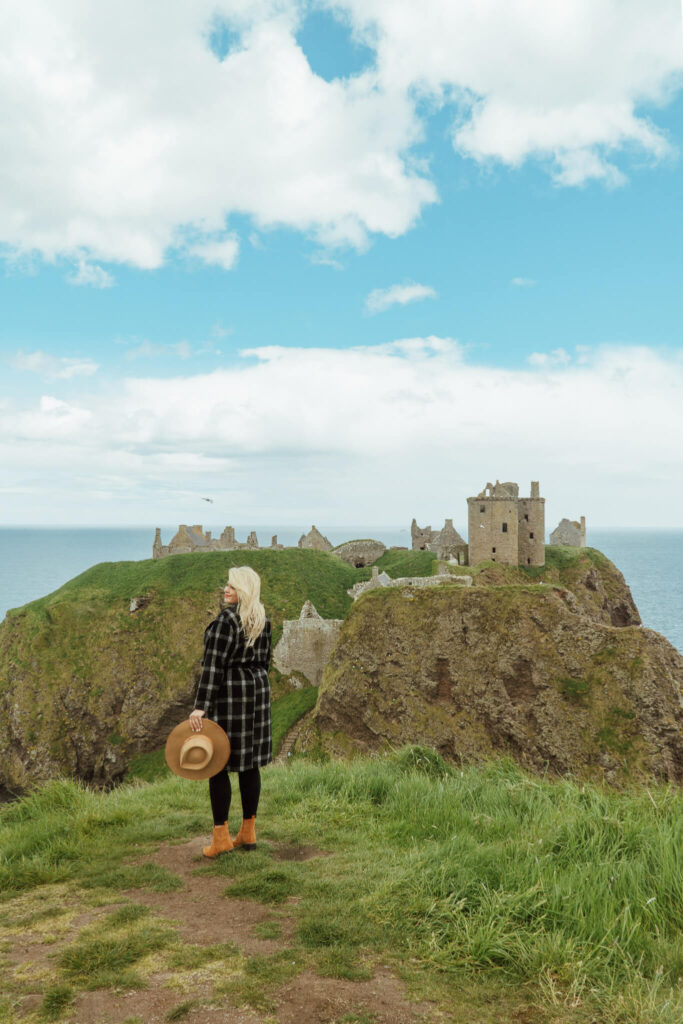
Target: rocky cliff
86	682
557	675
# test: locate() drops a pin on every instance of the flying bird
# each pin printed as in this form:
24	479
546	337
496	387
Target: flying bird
208	499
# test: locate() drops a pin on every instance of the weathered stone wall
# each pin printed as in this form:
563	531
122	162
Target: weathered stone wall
360	552
306	644
314	540
493	530
504	528
570	533
382	579
190	539
421	537
531	531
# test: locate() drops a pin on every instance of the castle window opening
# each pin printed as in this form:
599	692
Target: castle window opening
528	561
505	527
493	550
526	519
531	536
482	508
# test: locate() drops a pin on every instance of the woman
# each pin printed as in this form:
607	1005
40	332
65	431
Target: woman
233	690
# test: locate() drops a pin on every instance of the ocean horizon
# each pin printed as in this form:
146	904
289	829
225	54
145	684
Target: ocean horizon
35	561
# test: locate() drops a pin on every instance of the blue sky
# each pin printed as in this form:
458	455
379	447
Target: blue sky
340	263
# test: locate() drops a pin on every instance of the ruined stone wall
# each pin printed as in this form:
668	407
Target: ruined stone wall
360	552
531	529
314	540
306	644
570	533
421	537
190	539
493	530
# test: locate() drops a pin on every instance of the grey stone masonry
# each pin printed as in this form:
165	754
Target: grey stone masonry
315	540
360	552
381	579
306	644
190	539
504	528
570	533
447	543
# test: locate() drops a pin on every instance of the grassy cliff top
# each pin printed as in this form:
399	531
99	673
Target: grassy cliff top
288	578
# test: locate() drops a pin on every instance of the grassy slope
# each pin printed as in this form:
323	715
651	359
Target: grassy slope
288	579
506	897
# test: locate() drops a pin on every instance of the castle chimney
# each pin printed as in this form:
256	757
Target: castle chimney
535	489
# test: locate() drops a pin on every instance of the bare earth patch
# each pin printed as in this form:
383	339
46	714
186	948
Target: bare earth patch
201	912
310	999
202	915
152	1006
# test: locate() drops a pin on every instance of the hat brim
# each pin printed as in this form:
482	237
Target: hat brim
219	757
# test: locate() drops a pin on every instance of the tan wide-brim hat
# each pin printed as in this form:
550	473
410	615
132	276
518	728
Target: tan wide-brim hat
197	755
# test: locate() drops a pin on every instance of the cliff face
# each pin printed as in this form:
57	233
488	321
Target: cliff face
85	683
535	671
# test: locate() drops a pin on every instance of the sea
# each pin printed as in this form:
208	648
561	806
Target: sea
36	561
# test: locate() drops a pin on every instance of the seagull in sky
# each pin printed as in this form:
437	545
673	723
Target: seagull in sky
208	499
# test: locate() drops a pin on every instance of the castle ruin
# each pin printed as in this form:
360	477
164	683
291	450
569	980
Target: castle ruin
447	543
570	533
502	527
193	538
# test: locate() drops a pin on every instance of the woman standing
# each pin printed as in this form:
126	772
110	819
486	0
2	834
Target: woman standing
234	691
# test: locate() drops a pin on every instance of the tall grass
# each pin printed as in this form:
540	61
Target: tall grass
470	873
488	868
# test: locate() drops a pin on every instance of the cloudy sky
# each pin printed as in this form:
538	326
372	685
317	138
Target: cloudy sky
340	261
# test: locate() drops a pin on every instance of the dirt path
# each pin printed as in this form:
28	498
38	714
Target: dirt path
203	915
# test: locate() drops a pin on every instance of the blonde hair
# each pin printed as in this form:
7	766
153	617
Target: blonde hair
252	614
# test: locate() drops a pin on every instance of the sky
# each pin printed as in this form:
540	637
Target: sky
340	262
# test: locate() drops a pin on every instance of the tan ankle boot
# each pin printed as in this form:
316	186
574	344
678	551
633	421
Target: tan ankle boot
246	837
222	843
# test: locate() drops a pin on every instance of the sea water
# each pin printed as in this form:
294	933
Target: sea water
34	562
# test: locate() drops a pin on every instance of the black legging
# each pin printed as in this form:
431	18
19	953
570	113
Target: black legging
221	793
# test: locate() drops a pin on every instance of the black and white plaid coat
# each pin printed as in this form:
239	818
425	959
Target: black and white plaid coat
234	691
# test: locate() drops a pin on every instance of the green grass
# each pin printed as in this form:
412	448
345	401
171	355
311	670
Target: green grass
407	563
288	578
55	1001
476	876
287	711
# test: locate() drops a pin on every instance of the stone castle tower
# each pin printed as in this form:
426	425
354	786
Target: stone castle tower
502	527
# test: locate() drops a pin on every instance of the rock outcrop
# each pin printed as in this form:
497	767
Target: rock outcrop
103	669
535	671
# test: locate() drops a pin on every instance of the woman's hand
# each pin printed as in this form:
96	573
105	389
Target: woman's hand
196	720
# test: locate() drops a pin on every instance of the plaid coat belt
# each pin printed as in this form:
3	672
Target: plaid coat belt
234	690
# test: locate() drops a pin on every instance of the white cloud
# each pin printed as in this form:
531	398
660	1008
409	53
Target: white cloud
558	357
53	420
61	367
398	294
90	274
523	282
560	82
407	428
221	253
126	138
